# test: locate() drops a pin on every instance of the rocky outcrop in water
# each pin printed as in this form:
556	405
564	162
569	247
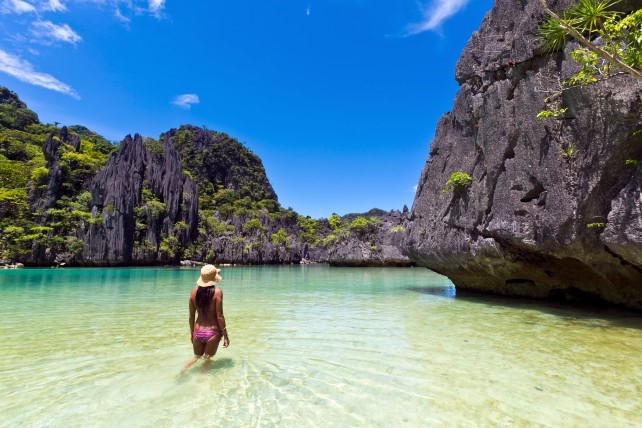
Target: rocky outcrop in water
279	240
535	220
383	248
147	210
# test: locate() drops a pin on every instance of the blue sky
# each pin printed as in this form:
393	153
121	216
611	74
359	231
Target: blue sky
340	98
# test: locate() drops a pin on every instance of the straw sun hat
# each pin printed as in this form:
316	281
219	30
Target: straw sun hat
209	276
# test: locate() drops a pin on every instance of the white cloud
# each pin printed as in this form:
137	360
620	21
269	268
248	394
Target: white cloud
17	6
307	11
55	6
122	18
47	32
123	8
24	71
156	6
434	15
186	101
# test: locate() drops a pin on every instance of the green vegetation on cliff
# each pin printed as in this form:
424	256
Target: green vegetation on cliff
14	114
230	177
25	174
458	180
610	43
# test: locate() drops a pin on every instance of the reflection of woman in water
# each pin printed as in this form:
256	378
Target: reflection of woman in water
206	331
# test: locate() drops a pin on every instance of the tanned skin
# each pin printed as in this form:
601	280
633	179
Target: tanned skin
213	317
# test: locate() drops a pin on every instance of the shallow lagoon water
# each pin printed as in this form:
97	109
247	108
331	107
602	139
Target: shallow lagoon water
311	346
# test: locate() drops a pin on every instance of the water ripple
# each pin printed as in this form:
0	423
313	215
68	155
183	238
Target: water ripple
310	347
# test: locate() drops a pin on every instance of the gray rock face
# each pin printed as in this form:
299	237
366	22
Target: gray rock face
533	222
42	199
380	247
121	194
383	248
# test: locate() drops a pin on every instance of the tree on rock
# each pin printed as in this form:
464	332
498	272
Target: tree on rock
608	39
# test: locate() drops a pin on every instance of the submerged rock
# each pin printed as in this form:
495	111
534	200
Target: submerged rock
534	221
191	263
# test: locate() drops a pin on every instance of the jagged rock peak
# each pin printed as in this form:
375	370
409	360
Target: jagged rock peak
142	195
41	199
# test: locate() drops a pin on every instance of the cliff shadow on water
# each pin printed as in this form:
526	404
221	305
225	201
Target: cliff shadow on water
580	311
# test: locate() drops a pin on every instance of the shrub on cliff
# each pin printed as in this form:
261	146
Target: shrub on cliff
335	222
308	228
39	176
13	203
362	226
458	180
281	238
253	225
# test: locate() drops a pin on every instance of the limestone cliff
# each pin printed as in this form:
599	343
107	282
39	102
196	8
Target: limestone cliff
533	222
382	248
144	200
41	199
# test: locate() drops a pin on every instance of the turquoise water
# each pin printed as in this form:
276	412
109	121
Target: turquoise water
310	346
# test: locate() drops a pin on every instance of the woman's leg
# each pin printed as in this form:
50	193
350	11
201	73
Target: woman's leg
210	348
199	348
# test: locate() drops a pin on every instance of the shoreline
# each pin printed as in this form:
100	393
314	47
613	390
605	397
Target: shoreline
359	264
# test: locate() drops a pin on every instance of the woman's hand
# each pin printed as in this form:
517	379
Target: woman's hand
226	341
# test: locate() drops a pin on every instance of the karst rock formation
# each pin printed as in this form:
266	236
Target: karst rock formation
533	221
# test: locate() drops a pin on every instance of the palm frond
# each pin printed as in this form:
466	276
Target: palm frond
552	35
590	15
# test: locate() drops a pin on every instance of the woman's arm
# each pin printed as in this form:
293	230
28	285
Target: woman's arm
192	316
218	300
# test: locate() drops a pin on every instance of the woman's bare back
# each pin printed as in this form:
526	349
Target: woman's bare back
209	317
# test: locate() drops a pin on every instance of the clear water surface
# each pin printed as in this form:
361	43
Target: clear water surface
311	346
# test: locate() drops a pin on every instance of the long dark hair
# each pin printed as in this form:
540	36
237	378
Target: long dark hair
204	296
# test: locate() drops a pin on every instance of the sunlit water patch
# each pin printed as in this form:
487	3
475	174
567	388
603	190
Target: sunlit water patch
311	346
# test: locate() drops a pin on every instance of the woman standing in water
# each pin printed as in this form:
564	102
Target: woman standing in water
209	327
